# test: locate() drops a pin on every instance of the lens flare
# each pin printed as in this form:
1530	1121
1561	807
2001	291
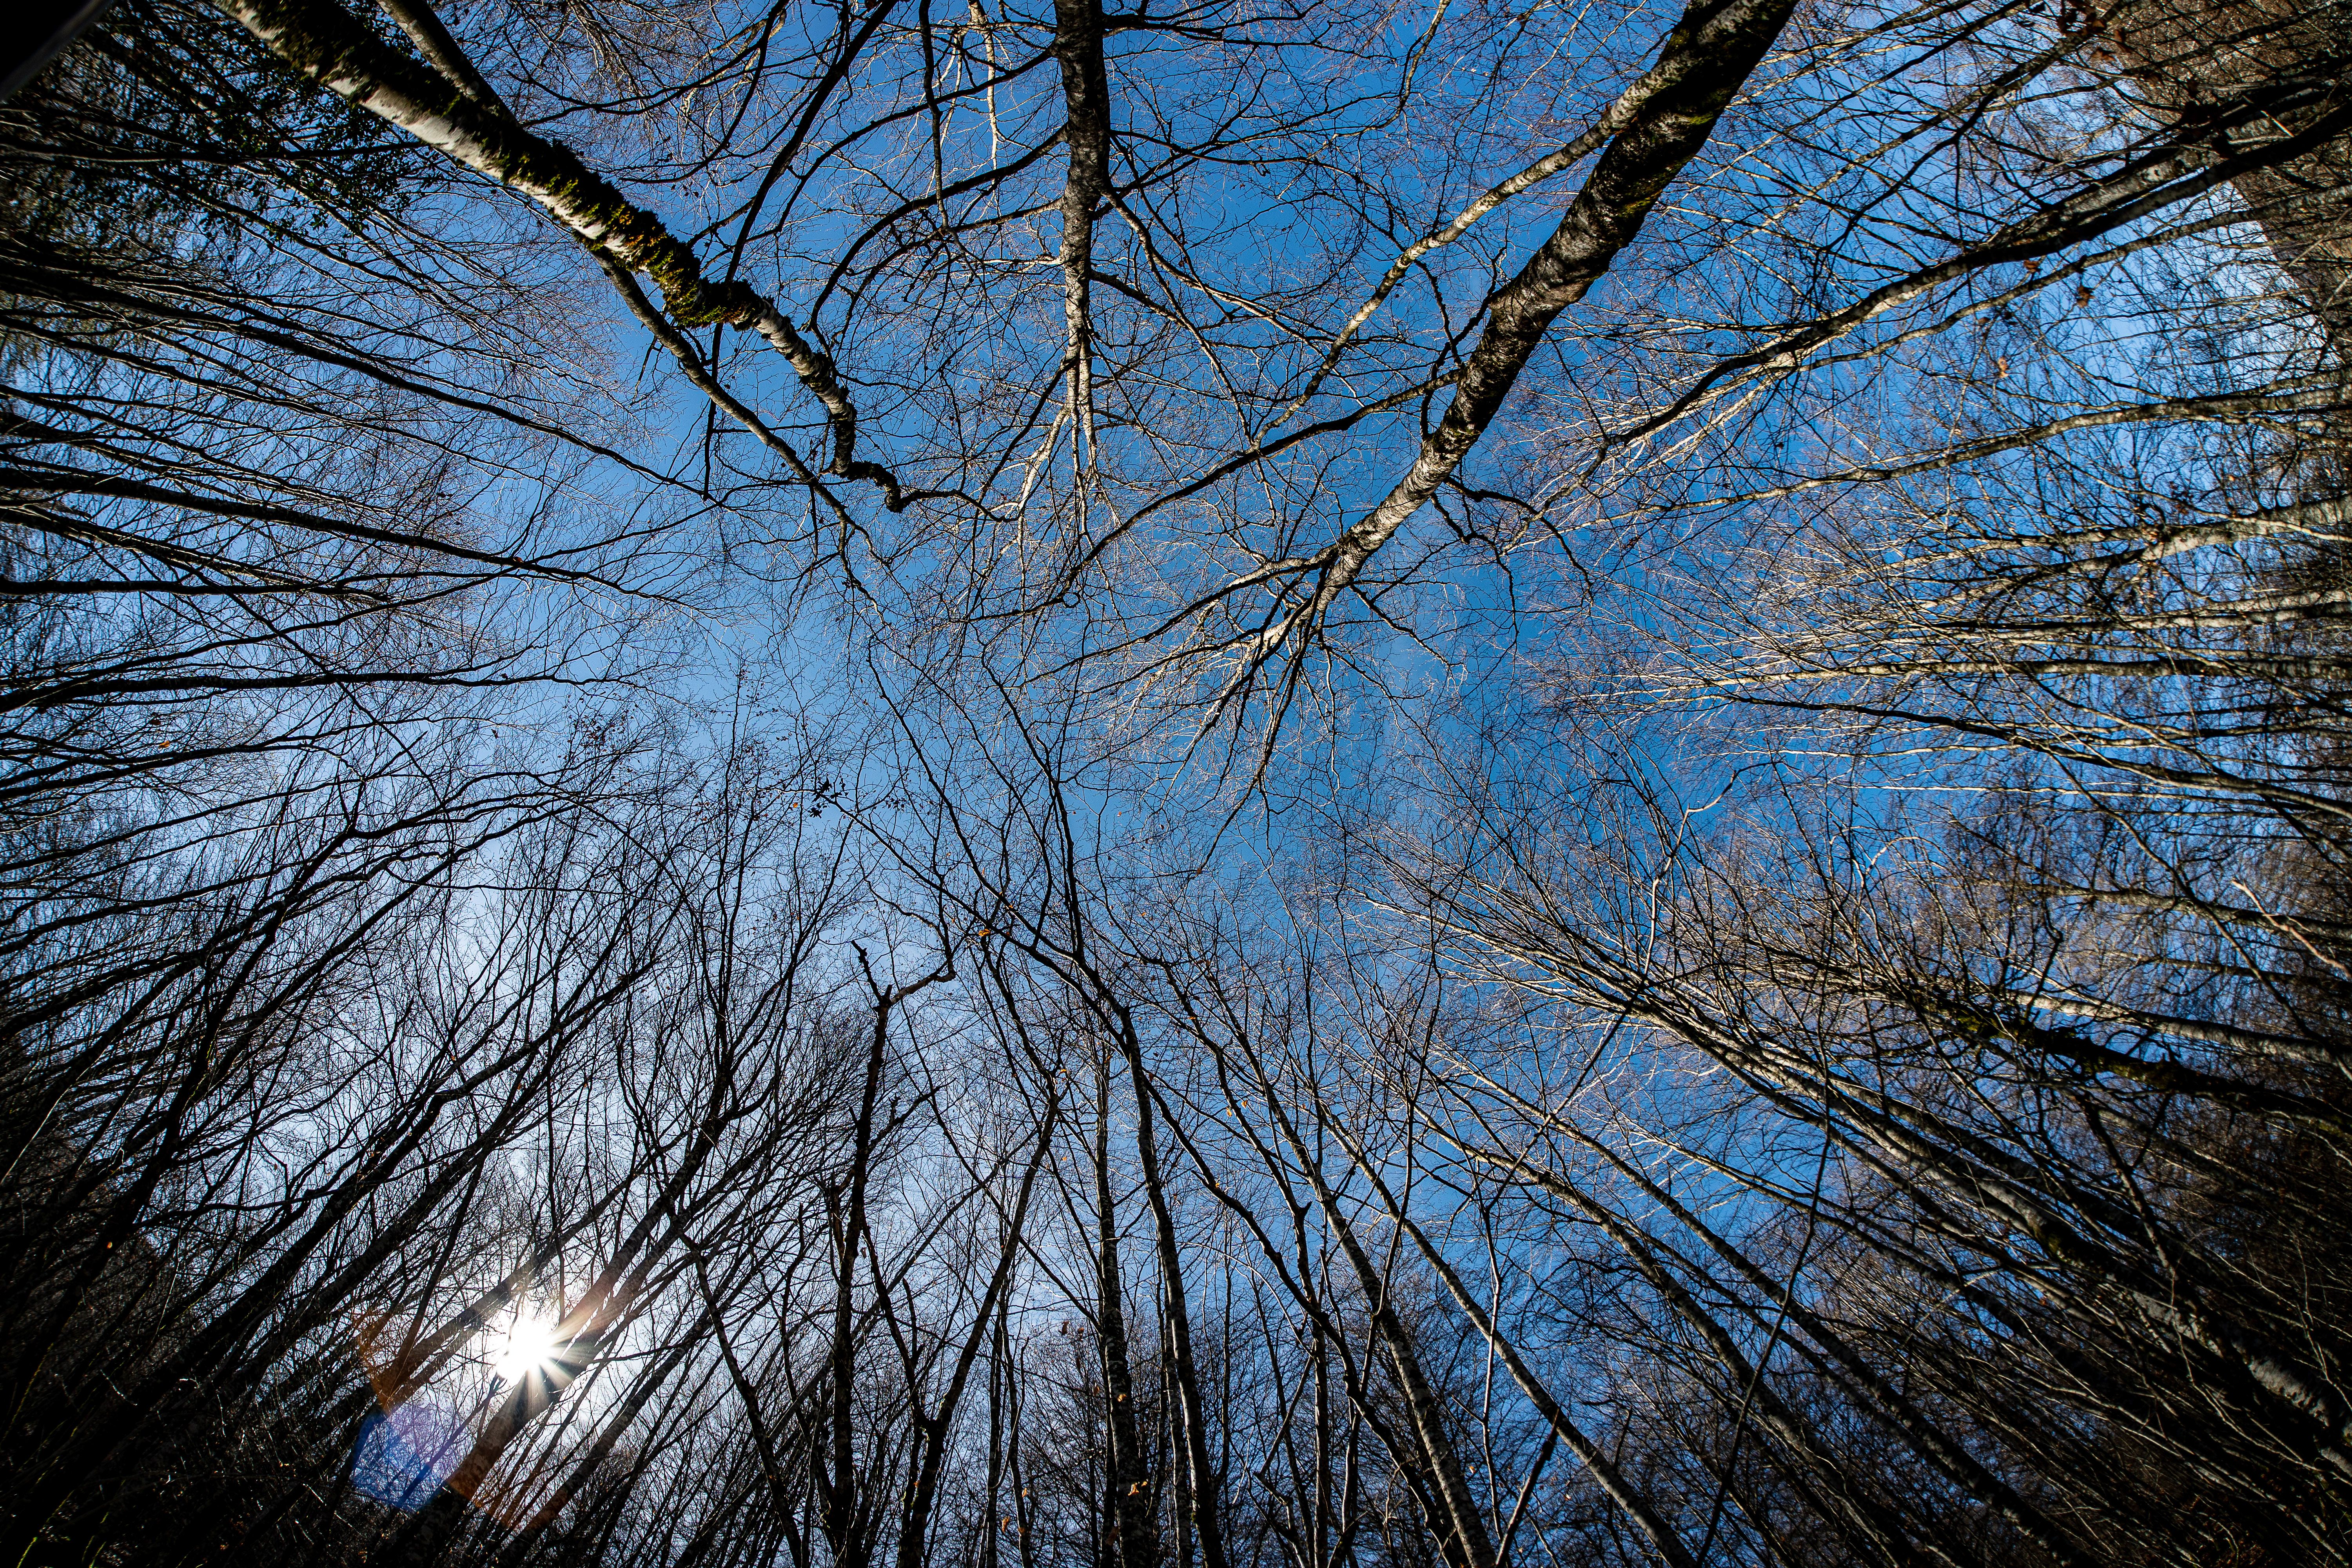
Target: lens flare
405	1456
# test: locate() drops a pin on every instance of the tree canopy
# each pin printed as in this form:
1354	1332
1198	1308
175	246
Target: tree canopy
1247	783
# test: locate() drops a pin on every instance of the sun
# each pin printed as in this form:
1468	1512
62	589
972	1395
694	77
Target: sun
528	1344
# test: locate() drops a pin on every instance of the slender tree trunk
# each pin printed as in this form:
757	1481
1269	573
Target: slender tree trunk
1130	1484
1191	1417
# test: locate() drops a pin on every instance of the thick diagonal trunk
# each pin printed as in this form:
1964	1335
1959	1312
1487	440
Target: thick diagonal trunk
325	43
1708	57
2188	57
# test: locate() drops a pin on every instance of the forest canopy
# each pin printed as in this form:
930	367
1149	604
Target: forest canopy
1204	783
